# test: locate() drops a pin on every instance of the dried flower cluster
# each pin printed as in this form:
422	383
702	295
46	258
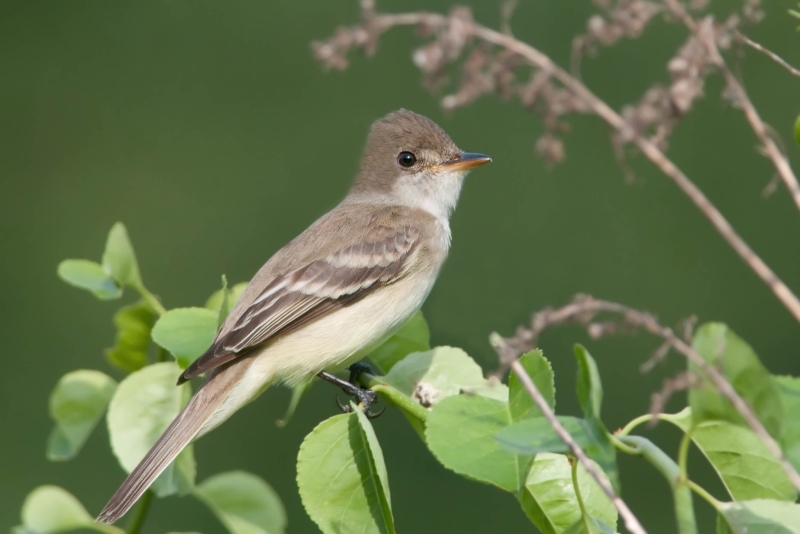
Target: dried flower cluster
662	107
617	20
487	69
496	62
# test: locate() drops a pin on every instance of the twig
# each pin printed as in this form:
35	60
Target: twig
375	24
393	396
584	308
705	34
769	53
704	31
681	493
507	355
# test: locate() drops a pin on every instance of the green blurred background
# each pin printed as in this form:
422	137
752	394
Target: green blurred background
207	128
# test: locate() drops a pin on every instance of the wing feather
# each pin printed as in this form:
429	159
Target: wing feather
296	298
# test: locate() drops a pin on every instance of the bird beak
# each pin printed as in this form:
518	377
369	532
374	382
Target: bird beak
465	161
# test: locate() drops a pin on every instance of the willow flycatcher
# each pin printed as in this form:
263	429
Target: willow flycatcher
332	294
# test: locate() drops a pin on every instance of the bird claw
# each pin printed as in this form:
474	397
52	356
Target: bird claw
372	415
346	408
365	397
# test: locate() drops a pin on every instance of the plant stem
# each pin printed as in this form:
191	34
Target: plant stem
633	424
151	300
394	396
704	494
627	449
584	515
769	53
683	455
684	510
141	513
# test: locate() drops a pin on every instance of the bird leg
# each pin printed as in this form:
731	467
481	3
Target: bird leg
365	397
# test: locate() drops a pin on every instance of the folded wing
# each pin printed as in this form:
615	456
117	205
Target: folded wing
296	298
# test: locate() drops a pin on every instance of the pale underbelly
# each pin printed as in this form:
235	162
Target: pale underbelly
328	344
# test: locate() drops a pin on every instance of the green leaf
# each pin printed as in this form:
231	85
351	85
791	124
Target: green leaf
541	372
243	502
549	499
723	349
590	525
590	390
224	306
339	482
119	259
461	431
378	467
428	377
50	509
789	388
91	276
761	516
532	436
797	130
76	405
745	465
413	336
134	324
214	302
186	332
144	405
590	395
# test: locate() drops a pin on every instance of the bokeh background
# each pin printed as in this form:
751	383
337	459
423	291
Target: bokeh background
207	128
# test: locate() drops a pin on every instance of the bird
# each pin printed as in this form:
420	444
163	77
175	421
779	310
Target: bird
332	294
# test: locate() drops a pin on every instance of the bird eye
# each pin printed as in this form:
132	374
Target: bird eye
406	159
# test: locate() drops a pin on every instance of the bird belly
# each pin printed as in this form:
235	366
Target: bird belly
328	344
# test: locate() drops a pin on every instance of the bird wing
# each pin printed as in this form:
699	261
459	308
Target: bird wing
318	288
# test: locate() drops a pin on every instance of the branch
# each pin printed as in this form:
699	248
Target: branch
459	28
510	358
769	53
393	396
705	33
681	493
584	308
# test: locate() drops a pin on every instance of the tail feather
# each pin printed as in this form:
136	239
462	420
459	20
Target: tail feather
178	435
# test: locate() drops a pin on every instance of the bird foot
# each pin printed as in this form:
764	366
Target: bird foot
365	397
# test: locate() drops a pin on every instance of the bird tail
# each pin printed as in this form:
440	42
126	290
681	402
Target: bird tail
197	413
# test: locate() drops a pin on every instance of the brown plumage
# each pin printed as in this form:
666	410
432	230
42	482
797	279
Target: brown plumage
333	293
400	131
306	288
